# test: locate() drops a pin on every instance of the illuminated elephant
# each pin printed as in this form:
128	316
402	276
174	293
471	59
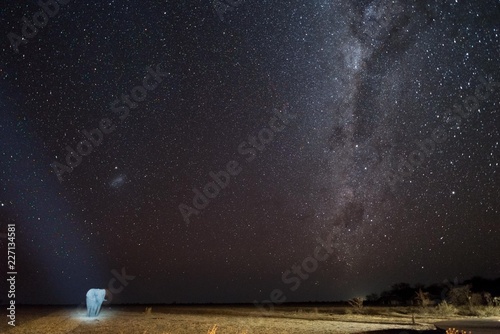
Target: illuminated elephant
95	297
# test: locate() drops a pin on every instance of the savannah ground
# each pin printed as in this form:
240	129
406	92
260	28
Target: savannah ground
290	319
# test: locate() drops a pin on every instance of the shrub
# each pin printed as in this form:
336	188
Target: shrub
348	311
476	299
423	298
460	295
356	302
481	311
444	308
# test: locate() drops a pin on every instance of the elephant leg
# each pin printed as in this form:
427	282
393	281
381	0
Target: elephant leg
95	297
93	306
89	303
100	299
98	308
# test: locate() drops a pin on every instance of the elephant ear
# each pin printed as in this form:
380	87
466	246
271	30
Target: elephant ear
90	292
108	297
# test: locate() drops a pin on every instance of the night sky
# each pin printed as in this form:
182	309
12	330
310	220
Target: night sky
362	133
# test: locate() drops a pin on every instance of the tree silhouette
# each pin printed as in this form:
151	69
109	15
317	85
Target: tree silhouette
460	295
356	302
423	298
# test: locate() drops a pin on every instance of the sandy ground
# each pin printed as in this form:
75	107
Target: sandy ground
192	320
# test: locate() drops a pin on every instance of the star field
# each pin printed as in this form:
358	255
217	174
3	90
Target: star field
209	151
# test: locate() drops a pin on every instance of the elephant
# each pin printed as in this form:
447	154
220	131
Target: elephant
95	297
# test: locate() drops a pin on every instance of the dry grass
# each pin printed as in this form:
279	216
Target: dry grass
300	319
448	310
445	309
214	330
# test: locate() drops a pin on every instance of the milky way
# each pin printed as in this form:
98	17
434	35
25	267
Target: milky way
373	43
